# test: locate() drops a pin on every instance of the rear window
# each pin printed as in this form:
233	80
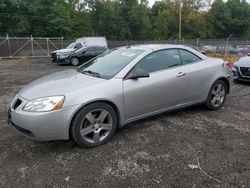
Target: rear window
188	57
100	48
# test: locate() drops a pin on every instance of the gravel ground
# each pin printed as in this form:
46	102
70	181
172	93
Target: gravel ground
152	153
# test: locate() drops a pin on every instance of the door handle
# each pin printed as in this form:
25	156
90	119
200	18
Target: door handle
181	74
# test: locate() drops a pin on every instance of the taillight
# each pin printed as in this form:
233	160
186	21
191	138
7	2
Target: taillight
229	65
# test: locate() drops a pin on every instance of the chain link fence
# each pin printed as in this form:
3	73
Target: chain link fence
194	42
30	46
42	46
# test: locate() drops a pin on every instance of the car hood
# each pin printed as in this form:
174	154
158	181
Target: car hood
60	83
64	51
243	62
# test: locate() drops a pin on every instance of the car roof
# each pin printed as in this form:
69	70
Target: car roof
156	47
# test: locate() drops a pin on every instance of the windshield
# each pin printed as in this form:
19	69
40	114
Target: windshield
110	63
71	45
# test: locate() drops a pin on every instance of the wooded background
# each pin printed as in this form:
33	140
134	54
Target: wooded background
125	19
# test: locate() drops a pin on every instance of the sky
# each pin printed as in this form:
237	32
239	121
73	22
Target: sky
151	2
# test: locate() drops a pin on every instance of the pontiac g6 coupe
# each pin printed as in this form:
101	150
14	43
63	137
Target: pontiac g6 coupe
123	85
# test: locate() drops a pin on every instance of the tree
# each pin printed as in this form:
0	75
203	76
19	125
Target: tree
218	18
124	19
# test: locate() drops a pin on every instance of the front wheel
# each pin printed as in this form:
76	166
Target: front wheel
94	125
74	61
217	95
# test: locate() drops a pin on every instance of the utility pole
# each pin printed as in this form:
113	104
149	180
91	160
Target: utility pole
180	20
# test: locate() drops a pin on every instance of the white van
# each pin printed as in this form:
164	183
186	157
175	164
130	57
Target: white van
93	41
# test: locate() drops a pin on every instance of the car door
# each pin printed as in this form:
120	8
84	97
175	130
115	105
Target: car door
99	50
199	72
89	54
164	88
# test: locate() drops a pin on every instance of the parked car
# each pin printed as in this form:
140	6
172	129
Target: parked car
70	48
209	48
221	49
118	87
79	56
241	69
242	49
80	51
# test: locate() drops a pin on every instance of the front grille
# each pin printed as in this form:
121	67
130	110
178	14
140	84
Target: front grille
245	71
17	103
54	57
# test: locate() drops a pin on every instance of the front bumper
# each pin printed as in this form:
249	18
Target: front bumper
42	126
63	61
57	59
238	76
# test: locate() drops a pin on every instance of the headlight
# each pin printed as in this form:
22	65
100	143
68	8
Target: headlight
62	56
44	104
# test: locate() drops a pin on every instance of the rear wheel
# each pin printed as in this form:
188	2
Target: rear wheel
94	125
74	61
217	95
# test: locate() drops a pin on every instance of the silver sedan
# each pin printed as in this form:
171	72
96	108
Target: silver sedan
123	85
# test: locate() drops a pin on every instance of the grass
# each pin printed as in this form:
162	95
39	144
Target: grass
227	57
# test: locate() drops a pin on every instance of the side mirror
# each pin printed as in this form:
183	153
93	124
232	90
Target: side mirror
138	73
83	52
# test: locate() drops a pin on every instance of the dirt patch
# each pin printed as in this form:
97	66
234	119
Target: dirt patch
151	153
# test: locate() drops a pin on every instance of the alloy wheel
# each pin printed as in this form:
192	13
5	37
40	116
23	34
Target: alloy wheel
96	126
218	95
74	61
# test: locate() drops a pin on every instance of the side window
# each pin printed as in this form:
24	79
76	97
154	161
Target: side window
90	49
160	60
78	45
100	48
188	57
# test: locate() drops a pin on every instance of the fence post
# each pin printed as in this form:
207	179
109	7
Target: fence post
227	42
197	42
32	46
48	45
8	41
62	43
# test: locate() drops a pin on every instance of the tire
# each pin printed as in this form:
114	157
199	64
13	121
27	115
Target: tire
217	95
94	125
74	61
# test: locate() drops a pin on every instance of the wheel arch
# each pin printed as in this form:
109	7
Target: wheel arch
226	81
117	111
